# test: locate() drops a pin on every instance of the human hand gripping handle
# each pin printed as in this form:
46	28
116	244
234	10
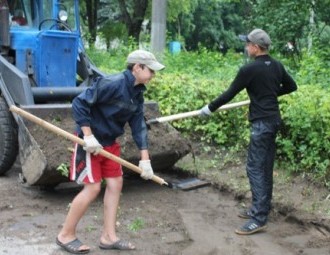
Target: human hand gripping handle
147	172
205	111
91	144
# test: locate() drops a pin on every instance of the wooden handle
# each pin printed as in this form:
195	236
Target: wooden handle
80	141
195	113
174	117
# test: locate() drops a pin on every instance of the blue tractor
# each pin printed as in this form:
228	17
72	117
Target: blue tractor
43	65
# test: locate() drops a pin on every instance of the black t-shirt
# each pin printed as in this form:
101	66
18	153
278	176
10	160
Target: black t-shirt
264	79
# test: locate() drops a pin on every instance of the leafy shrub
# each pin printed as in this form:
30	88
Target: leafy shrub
304	142
313	71
192	80
183	93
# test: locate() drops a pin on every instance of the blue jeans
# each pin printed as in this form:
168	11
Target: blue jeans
260	163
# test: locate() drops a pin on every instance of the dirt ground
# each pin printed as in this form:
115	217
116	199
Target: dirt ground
160	220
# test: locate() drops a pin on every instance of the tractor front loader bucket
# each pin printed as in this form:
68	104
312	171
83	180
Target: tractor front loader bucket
42	152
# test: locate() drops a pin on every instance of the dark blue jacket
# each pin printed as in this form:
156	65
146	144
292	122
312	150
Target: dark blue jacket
108	105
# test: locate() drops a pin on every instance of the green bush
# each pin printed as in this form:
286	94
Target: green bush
184	93
190	81
313	71
304	141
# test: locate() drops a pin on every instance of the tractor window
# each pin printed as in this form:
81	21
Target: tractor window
47	10
69	7
17	11
62	10
28	10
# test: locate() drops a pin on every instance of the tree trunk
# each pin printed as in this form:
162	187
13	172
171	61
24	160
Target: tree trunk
133	22
91	9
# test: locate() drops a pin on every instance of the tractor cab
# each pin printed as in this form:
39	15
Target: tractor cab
44	38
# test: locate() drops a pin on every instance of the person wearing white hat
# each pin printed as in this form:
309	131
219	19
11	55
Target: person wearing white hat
145	58
264	79
101	112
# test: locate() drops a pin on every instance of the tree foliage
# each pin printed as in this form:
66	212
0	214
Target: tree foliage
289	21
215	24
102	15
284	20
132	14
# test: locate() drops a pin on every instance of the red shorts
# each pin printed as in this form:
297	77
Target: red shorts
88	168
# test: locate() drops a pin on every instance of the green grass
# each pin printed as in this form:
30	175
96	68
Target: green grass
136	225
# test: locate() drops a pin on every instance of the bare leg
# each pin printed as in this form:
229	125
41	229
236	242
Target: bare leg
111	203
78	208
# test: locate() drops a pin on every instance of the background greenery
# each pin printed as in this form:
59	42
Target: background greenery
213	24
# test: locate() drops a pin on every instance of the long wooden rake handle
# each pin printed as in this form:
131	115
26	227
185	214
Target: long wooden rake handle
80	141
195	113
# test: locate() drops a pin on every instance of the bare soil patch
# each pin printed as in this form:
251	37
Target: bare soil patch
159	220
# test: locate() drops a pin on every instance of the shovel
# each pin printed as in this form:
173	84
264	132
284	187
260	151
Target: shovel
195	113
80	141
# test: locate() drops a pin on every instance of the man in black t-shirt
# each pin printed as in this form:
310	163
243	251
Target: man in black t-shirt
265	79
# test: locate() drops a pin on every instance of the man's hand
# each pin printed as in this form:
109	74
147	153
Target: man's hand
147	172
205	111
91	144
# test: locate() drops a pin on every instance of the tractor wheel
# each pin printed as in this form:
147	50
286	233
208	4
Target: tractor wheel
8	138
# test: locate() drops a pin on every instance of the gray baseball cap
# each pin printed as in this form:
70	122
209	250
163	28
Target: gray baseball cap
145	58
257	36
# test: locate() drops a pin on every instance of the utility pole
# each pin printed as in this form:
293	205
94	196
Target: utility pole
158	26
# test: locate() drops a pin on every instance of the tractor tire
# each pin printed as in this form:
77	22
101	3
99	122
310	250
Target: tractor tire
8	138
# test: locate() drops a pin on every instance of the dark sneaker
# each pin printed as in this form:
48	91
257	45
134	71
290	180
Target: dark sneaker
250	227
245	214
